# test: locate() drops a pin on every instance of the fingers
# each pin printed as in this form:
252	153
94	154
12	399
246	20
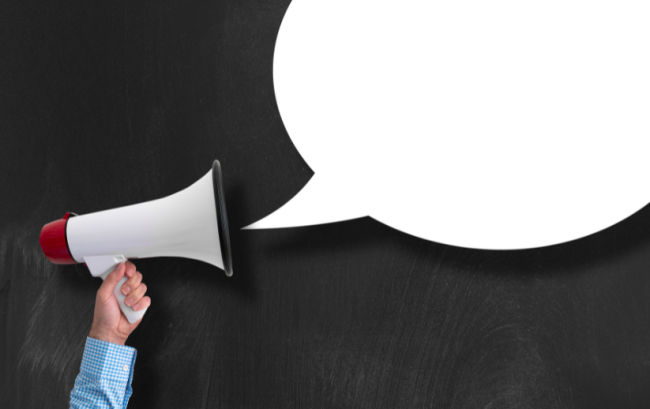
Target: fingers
132	283
130	269
110	282
145	302
133	288
136	295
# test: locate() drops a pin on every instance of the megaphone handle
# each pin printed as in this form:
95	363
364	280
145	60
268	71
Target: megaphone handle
130	314
101	266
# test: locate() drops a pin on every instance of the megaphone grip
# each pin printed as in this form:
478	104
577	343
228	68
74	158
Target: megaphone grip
130	314
101	266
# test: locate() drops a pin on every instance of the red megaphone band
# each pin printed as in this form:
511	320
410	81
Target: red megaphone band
54	243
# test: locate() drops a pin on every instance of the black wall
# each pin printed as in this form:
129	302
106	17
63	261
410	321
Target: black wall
105	104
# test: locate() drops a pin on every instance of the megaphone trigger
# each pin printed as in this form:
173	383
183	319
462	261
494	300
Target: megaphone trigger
101	266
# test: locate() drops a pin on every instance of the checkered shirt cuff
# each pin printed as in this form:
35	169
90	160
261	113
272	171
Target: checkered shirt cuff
105	377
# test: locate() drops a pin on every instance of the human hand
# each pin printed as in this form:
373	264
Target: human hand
109	324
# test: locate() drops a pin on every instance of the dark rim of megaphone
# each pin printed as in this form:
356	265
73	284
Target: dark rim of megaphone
222	218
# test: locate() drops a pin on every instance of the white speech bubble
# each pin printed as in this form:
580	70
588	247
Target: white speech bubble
482	124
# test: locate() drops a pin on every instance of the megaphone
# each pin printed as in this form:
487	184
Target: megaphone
191	223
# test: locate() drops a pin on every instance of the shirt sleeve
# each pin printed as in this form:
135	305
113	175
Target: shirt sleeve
104	380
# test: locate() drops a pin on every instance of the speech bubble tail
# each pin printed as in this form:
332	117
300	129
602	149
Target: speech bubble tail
321	201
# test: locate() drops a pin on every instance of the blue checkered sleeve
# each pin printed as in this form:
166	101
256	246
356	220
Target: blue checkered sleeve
105	377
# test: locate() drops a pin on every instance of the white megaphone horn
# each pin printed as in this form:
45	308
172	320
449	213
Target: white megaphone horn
191	223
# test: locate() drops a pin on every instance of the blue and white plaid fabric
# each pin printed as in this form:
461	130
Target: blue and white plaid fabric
105	377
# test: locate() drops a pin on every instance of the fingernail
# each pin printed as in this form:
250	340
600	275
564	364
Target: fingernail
135	307
125	290
128	302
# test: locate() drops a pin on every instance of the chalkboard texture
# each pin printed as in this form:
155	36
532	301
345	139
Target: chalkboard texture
105	104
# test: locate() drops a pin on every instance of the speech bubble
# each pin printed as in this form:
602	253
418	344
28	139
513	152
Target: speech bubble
481	124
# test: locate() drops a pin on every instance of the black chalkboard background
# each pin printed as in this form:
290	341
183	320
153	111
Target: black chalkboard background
105	104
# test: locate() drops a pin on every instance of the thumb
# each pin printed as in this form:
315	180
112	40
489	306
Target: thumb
106	290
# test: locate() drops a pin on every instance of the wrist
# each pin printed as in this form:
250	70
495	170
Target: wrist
106	336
